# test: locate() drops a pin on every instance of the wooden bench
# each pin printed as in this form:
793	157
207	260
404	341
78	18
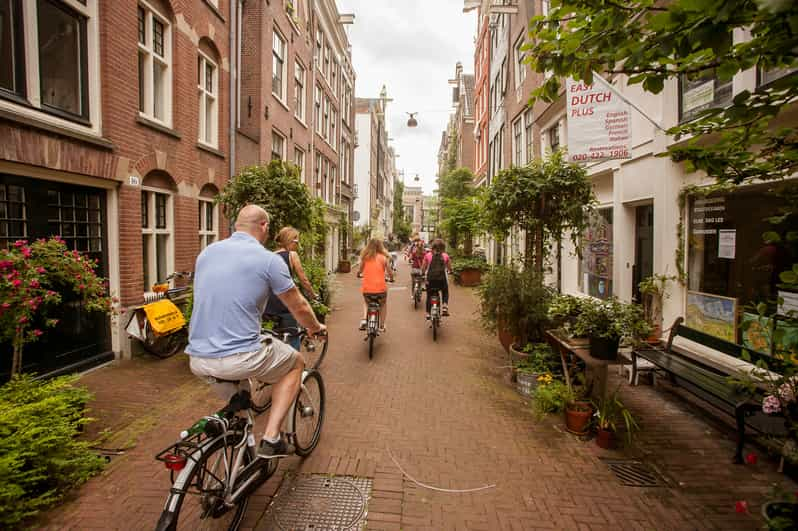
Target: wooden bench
708	384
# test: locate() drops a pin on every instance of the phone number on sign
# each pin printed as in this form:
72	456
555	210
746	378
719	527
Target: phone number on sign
594	155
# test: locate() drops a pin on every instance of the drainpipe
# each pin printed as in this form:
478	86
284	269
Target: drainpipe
233	83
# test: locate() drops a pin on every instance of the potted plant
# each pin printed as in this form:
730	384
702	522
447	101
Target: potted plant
563	311
606	322
548	397
468	270
578	412
344	266
608	413
536	363
653	292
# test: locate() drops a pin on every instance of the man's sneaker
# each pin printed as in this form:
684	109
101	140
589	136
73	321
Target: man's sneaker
270	450
445	310
363	324
427	317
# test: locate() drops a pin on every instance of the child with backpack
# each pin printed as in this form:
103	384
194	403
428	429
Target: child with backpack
435	268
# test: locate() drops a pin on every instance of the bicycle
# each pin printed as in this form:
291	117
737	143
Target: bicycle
214	467
418	288
312	348
435	313
374	304
158	324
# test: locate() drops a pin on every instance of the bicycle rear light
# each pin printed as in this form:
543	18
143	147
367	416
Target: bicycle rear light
174	462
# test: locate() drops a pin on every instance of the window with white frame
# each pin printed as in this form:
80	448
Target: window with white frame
518	142
278	146
347	103
207	87
156	235
208	223
554	137
319	47
155	65
317	175
528	127
344	161
299	161
325	124
299	91
333	128
520	67
278	66
333	183
317	109
326	70
334	78
44	55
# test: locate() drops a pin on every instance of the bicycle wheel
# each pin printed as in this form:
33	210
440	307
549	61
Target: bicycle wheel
165	346
313	350
309	414
261	396
196	499
434	328
371	346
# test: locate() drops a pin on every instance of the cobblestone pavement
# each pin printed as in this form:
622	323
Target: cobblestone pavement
444	413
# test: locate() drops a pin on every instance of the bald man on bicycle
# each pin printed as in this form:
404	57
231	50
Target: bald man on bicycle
233	281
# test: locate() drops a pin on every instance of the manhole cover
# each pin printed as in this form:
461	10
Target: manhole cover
321	502
632	473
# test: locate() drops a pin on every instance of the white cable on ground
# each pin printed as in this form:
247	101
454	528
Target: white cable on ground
411	478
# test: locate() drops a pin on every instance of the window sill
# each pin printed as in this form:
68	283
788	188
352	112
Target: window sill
215	10
210	149
59	130
158	127
254	138
281	102
301	122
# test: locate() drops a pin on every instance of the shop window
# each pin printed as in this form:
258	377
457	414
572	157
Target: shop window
156	235
155	61
207	223
13	214
727	254
595	266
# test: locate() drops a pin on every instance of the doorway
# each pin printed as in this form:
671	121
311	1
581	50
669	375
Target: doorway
644	247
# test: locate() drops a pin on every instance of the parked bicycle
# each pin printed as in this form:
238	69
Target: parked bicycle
159	324
214	467
435	314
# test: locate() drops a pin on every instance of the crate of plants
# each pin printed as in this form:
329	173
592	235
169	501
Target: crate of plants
468	270
539	365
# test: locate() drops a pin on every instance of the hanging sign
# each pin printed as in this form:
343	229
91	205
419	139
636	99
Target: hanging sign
599	122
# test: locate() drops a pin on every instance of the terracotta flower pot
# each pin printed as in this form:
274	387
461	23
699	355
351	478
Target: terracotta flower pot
605	439
516	357
344	266
577	417
505	336
470	277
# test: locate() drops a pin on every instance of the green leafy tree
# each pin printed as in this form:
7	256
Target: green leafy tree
546	199
401	227
652	41
277	187
459	208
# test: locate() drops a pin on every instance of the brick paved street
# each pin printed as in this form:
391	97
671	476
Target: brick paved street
444	412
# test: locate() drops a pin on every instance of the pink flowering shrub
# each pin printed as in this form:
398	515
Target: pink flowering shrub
33	279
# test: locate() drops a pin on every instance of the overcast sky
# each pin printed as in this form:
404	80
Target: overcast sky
411	46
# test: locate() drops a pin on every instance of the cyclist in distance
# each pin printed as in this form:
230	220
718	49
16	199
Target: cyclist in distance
416	262
288	243
374	268
436	266
233	280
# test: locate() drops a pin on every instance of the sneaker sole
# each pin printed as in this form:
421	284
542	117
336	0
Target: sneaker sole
275	456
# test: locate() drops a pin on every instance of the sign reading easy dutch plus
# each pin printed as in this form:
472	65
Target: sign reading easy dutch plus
599	122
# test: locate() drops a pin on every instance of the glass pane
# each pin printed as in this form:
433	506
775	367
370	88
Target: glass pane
209	77
3	228
94	231
142	26
82	245
16	193
199	71
145	214
158	89
160	211
94	201
68	229
53	213
68	198
3	211
81	200
10	46
95	245
209	121
82	230
54	229
2	192
208	216
161	241
199	216
141	82
16	211
157	36
145	255
68	214
60	36
94	216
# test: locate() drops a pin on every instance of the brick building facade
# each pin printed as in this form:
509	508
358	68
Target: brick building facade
115	120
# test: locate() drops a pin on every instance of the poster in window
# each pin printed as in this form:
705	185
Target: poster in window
757	332
712	314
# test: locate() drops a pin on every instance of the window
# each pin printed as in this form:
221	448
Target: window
344	161
347	104
299	160
317	109
299	91
334	185
278	66
317	175
595	266
518	142
207	86
326	70
319	47
554	137
520	67
333	128
13	215
278	146
77	217
325	125
155	58
156	235
528	120
766	76
334	78
12	48
702	92
207	223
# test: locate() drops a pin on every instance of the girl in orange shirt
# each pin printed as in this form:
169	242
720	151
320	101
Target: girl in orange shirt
373	268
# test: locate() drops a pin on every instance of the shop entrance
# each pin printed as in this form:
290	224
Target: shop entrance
644	247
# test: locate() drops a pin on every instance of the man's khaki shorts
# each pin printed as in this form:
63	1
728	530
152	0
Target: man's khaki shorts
274	360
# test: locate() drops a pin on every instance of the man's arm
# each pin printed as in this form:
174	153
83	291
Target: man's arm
301	310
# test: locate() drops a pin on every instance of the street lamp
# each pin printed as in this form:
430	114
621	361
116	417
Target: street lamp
415	178
412	122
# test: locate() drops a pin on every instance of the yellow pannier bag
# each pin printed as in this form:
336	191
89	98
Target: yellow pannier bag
164	317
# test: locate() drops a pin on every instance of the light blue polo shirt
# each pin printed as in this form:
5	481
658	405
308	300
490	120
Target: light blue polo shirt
233	280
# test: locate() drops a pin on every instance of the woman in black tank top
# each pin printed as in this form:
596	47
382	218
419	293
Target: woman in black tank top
288	243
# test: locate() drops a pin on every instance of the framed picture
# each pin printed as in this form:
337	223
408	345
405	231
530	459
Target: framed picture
712	314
